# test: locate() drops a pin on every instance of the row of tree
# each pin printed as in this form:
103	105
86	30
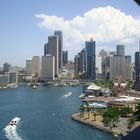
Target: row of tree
88	109
111	115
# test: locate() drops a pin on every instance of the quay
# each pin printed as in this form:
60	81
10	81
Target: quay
100	98
99	124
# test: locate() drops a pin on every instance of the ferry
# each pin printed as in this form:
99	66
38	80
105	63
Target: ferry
15	121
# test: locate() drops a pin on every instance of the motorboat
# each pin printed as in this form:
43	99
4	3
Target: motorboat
90	96
34	87
14	121
56	84
68	94
82	96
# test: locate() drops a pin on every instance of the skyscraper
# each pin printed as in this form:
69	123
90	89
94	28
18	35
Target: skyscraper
137	70
52	48
128	68
36	66
6	67
117	64
45	49
60	48
120	50
48	67
29	66
98	67
65	57
90	49
76	64
83	61
104	56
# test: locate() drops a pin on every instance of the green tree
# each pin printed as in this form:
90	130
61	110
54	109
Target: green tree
125	111
111	116
88	111
131	123
137	112
82	109
137	109
94	113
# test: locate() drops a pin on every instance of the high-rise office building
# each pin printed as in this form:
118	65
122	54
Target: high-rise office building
29	66
65	57
137	70
120	50
83	61
98	67
121	57
117	64
90	49
6	67
45	49
52	48
76	64
118	67
128	68
48	67
60	48
104	56
36	66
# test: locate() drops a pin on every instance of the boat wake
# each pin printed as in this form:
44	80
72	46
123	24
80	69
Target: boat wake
67	95
11	129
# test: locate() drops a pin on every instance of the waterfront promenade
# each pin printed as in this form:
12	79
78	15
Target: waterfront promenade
100	98
97	123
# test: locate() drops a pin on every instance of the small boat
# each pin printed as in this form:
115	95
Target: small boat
34	87
56	84
15	121
90	96
68	94
82	96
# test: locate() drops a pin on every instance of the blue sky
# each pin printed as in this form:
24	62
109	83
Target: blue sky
22	34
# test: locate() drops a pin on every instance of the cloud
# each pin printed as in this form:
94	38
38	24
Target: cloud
103	24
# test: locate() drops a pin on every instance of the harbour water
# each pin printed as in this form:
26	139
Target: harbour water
45	115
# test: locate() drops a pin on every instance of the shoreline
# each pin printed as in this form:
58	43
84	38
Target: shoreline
96	124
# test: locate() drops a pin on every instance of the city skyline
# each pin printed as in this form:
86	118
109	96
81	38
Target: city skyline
25	26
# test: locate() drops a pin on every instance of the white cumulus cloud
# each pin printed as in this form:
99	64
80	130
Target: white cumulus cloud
103	24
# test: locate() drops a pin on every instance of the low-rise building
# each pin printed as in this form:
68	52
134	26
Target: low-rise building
124	104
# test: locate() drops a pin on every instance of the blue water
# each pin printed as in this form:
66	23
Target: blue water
45	114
